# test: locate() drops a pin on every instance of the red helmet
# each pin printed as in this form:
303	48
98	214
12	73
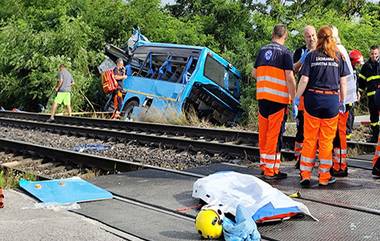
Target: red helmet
356	57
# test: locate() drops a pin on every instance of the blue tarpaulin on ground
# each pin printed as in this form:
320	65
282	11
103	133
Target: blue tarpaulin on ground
68	190
91	147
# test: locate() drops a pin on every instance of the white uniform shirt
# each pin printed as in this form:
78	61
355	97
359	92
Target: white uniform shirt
351	95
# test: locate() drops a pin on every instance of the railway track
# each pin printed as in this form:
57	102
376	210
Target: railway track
234	142
111	166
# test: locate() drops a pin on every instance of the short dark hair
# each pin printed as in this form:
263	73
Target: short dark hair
61	66
279	30
373	47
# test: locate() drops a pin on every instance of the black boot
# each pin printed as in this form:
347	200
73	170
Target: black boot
375	134
340	173
376	169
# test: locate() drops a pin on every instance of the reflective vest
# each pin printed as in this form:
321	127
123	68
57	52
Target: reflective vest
272	85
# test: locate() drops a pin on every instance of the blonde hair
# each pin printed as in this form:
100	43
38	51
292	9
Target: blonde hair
335	34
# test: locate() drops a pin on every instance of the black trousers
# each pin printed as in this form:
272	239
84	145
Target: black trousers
350	120
374	117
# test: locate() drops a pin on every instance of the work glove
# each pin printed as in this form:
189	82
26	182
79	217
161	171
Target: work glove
296	103
342	107
303	55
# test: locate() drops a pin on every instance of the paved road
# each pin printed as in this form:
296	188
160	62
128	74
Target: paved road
20	220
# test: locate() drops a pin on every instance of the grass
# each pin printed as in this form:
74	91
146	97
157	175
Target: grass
171	116
90	173
10	179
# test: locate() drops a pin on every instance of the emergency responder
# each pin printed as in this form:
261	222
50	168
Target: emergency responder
375	160
323	83
119	74
369	78
340	168
275	88
357	61
310	37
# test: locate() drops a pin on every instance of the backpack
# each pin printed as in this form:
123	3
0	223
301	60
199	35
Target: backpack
109	83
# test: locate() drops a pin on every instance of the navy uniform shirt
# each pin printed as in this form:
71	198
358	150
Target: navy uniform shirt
324	74
275	55
323	71
121	72
297	54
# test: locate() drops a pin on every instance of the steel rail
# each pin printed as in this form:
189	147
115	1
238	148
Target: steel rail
223	135
109	163
248	152
180	143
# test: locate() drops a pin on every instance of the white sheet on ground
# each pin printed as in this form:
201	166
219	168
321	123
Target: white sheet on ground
230	189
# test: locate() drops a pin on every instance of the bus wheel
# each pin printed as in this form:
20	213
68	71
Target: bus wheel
128	109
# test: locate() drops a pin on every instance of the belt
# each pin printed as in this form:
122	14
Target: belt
324	92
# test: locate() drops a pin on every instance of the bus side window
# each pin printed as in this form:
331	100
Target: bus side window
152	64
178	64
176	75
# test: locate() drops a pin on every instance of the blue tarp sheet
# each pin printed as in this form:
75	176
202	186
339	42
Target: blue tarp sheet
91	147
69	190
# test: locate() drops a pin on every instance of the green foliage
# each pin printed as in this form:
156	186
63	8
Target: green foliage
10	179
36	36
2	179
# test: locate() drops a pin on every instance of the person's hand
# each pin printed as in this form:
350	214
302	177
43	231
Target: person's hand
296	103
358	95
342	107
303	55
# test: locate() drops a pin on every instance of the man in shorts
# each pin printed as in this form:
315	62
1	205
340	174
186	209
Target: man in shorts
63	89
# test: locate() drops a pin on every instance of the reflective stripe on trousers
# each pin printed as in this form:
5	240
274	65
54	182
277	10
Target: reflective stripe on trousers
269	134
322	132
297	150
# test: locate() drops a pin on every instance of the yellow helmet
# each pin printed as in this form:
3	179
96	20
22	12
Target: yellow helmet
208	222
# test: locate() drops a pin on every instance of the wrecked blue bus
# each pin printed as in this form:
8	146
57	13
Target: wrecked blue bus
182	78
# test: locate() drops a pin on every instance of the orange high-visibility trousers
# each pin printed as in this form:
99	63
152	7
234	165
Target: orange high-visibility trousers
299	135
377	153
118	100
340	147
269	135
297	150
321	131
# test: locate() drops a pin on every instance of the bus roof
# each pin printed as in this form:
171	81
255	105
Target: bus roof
169	45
